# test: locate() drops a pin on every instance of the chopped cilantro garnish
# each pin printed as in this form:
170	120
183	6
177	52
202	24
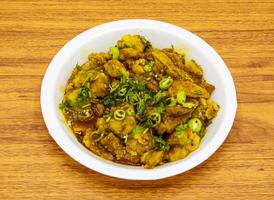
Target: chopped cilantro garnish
160	144
83	95
157	98
160	108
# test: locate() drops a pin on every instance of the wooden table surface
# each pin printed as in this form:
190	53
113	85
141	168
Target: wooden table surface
32	166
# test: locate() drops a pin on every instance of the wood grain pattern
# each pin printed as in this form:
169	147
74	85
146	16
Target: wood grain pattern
32	166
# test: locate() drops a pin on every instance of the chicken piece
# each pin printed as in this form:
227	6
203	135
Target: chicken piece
87	139
193	68
148	54
79	127
114	67
131	41
131	46
168	125
124	127
206	110
152	85
139	141
135	148
177	111
100	85
85	67
176	58
76	79
190	89
165	60
158	70
98	79
127	53
101	124
173	116
179	137
150	82
97	60
152	158
138	66
170	68
80	75
177	153
114	145
194	142
92	145
210	88
185	138
71	96
128	159
212	109
100	108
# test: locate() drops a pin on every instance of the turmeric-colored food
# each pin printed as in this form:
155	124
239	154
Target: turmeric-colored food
139	105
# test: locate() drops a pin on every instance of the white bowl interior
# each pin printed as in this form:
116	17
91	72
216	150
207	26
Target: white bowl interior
161	35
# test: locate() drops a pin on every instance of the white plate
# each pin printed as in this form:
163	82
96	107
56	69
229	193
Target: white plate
161	34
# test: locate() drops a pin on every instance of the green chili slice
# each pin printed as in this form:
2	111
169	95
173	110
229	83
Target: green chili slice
181	97
130	111
195	125
114	52
172	101
165	83
148	67
122	92
119	114
155	118
133	97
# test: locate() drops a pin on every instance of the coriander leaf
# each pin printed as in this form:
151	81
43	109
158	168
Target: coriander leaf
140	86
160	144
133	97
83	95
157	98
109	101
146	96
148	123
66	106
141	108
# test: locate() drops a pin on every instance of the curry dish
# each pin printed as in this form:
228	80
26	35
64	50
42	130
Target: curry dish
139	105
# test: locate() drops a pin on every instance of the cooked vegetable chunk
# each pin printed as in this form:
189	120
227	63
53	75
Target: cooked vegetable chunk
152	158
99	86
193	68
97	60
177	153
122	127
113	67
